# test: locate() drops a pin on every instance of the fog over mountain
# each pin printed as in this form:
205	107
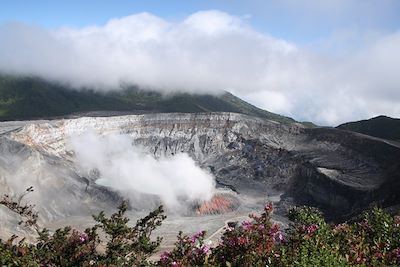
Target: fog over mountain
208	52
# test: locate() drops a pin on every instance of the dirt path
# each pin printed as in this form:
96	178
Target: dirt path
219	230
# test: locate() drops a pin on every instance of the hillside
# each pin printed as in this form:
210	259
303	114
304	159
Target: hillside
381	126
30	98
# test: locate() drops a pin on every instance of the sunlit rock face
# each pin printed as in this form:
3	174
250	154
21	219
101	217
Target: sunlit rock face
163	134
338	171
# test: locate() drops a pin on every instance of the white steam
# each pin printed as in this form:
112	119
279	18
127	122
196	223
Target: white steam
131	171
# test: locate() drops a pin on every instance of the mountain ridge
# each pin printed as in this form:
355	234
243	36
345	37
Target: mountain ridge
381	126
35	98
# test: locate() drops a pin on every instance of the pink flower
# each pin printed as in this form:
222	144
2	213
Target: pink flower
165	256
312	228
174	263
205	249
83	237
279	237
246	225
196	236
273	230
268	207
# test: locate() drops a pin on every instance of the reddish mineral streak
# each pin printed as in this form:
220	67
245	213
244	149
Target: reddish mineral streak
219	203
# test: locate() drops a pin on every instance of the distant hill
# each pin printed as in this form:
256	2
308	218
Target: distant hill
31	98
381	126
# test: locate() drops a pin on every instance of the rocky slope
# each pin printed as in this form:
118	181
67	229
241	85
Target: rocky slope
340	172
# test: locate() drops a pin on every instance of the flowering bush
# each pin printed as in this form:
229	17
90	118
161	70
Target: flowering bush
125	245
308	241
188	251
250	243
374	241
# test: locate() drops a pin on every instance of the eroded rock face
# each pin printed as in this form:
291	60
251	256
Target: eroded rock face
236	148
338	171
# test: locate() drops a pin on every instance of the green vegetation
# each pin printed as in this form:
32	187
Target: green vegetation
381	126
29	97
309	241
125	245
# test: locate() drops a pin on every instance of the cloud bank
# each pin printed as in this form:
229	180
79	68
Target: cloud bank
177	181
208	52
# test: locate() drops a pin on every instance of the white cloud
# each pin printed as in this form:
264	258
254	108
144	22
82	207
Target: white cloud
211	51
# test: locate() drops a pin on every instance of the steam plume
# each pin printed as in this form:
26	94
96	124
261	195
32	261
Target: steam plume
131	171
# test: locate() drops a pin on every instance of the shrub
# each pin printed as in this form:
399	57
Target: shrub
251	243
308	241
125	245
188	251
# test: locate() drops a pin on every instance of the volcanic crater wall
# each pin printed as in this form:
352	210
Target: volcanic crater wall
338	171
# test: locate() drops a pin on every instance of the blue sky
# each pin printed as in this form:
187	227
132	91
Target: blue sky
303	21
326	61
